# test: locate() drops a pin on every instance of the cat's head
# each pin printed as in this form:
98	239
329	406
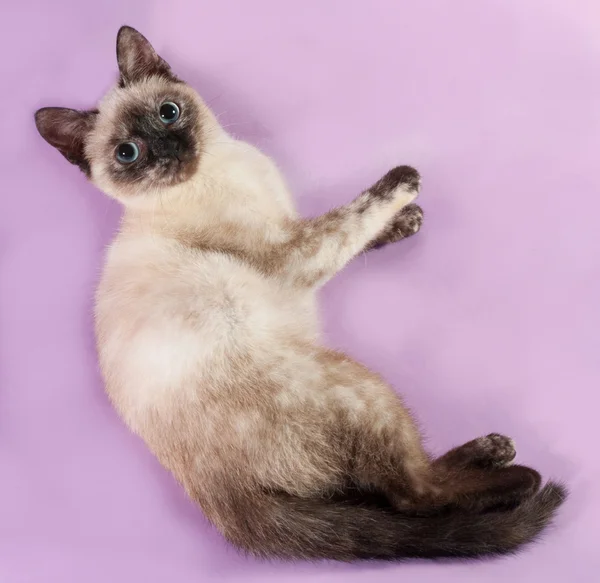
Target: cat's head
148	133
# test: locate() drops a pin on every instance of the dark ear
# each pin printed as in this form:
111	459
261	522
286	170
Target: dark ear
66	130
137	59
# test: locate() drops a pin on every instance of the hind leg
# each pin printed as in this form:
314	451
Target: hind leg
386	455
474	477
489	489
479	477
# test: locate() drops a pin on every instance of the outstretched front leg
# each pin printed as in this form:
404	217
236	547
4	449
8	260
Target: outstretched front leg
318	248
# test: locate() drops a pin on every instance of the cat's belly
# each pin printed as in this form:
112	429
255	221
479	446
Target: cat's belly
172	334
214	365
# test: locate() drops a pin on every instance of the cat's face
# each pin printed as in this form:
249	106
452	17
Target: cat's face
147	133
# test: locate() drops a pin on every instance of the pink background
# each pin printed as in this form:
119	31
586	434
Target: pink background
486	321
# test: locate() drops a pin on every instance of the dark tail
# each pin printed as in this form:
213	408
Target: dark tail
295	528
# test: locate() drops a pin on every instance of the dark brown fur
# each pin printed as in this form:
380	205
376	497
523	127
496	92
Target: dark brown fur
406	175
169	154
138	60
384	188
66	130
276	524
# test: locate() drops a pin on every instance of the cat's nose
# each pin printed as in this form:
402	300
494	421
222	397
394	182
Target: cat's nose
169	148
176	147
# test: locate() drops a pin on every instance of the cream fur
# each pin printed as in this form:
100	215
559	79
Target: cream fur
198	336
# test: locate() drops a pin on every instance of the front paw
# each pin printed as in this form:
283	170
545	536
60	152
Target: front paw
401	184
406	222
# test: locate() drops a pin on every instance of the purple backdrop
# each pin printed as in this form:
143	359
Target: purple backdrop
486	321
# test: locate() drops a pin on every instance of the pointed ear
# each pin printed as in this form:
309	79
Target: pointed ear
137	59
67	130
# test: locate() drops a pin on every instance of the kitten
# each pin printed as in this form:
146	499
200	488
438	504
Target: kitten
209	344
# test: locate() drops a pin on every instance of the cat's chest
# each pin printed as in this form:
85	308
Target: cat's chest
239	300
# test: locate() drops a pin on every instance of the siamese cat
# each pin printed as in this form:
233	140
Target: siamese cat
209	344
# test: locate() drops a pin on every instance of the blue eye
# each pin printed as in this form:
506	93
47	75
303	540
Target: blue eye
127	152
169	112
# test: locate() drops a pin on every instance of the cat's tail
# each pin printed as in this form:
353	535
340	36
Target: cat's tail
296	528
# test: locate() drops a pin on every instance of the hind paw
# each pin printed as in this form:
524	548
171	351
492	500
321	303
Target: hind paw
494	450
